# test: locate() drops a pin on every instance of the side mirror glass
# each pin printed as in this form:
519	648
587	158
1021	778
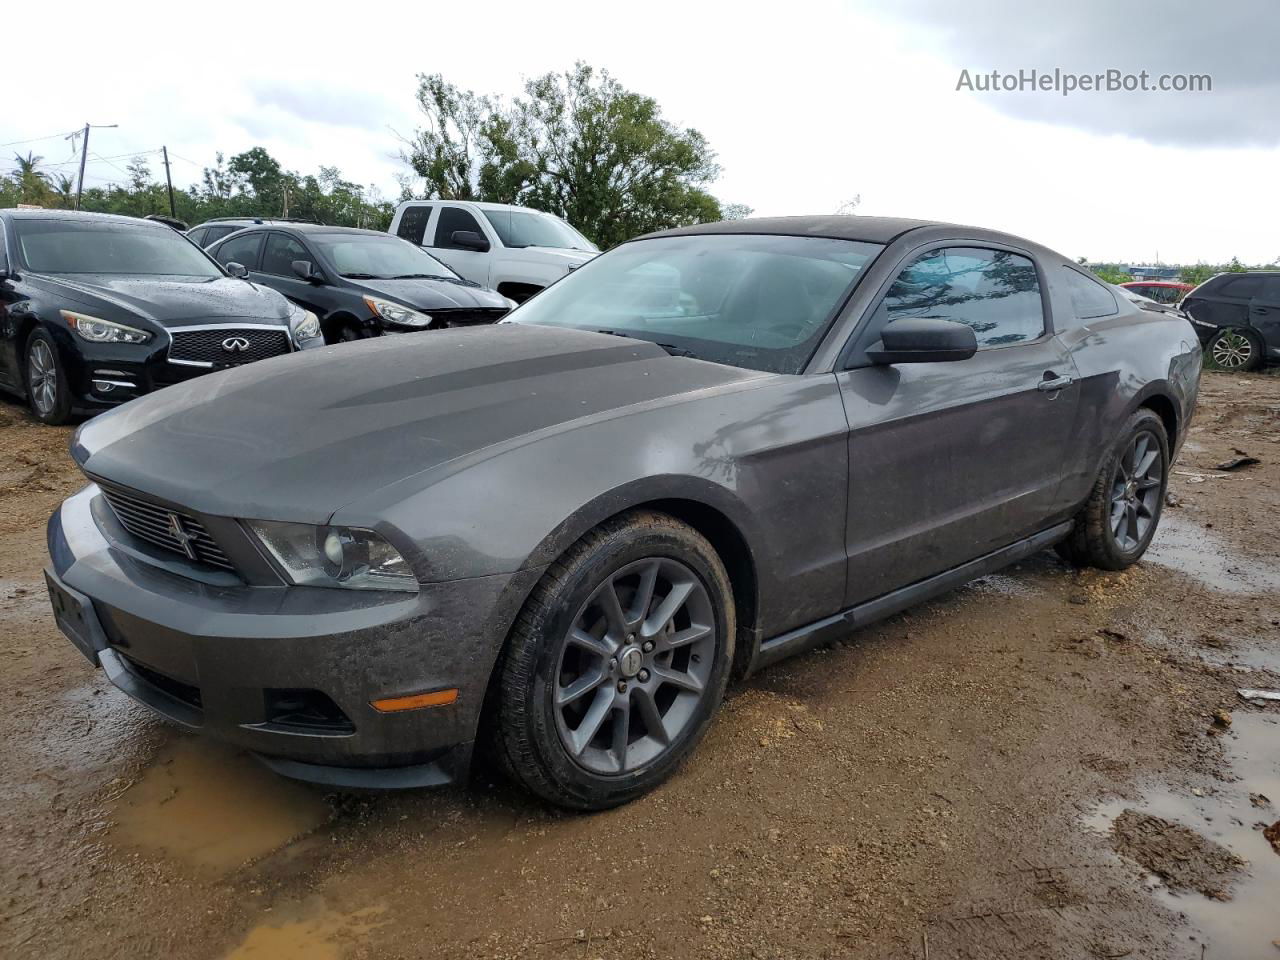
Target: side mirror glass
923	340
237	269
306	270
469	239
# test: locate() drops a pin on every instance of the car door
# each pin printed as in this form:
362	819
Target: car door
9	366
470	264
244	250
276	271
949	461
1264	311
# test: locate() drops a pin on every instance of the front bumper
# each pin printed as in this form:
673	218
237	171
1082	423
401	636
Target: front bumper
236	661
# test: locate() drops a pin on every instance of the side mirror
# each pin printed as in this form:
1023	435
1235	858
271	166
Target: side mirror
306	270
237	269
923	340
469	239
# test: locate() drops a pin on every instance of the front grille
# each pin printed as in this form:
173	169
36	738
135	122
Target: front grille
228	346
156	524
465	318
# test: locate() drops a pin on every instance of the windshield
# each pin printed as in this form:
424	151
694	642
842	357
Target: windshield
760	302
522	228
383	258
111	247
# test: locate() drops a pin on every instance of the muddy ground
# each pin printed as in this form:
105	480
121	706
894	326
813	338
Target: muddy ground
1028	767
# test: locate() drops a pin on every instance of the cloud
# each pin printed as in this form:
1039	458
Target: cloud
336	106
1235	42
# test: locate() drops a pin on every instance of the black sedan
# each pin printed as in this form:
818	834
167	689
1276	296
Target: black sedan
360	283
96	310
701	452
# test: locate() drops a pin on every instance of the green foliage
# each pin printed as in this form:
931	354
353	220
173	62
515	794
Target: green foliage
251	184
577	144
1235	266
1112	273
1197	274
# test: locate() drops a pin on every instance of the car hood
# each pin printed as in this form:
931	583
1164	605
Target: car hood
298	437
434	294
175	301
553	256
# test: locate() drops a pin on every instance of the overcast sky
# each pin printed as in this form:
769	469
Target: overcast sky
807	104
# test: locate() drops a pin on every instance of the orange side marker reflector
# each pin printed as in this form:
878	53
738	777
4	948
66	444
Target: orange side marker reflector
436	698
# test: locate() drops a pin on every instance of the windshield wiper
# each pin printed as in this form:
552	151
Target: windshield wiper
362	276
671	348
419	276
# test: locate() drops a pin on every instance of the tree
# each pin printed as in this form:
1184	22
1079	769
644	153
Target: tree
1197	274
139	174
577	144
1111	273
1235	266
32	183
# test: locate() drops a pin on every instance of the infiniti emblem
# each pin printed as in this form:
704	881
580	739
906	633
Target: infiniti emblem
184	539
235	344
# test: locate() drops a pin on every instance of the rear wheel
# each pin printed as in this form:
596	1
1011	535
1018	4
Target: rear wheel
1234	348
47	389
1116	525
617	663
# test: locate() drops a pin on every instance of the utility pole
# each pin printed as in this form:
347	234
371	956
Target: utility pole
168	181
84	153
286	201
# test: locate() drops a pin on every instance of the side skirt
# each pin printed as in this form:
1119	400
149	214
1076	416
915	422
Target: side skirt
826	630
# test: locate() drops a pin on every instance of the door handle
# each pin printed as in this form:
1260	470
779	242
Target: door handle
1054	384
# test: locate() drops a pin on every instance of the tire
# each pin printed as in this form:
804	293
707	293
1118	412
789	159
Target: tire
1116	524
595	709
45	378
1236	349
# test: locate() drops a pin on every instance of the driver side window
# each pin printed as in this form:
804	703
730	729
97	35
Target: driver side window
995	292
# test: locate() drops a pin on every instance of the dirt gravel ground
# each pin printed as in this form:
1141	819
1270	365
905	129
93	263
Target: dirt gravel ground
1028	767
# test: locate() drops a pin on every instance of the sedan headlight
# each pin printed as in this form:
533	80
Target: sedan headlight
335	556
305	324
395	313
97	330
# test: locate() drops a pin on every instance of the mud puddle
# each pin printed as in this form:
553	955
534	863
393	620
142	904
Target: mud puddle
1230	817
307	930
213	808
1192	550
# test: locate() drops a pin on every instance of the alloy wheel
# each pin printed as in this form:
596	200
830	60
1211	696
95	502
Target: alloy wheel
1135	491
42	377
635	666
1232	350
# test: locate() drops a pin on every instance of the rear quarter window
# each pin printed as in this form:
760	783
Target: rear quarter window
1090	300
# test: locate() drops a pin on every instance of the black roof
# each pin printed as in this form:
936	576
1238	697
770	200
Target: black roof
17	214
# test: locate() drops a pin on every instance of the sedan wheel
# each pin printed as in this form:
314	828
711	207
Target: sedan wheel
1234	350
635	666
47	386
617	663
42	378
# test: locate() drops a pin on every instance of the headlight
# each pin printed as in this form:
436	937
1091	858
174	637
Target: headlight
96	330
335	556
306	326
395	313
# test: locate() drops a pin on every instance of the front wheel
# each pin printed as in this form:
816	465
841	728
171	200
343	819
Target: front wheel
617	663
47	387
1116	525
1235	349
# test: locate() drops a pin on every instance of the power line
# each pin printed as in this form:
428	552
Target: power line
52	136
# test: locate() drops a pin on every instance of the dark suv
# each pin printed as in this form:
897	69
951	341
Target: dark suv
211	231
360	283
1237	317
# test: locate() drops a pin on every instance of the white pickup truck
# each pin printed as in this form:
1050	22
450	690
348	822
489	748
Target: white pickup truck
514	250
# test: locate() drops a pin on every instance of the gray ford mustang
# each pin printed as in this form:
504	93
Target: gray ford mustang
706	450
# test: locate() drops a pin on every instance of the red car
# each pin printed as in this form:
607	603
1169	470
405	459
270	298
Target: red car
1161	291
